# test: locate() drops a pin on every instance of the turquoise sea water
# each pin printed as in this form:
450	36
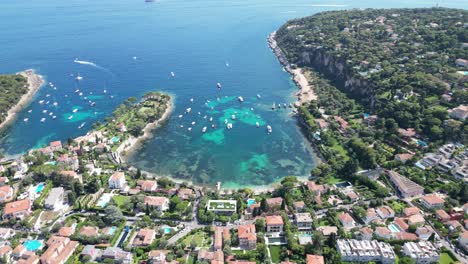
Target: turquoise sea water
128	47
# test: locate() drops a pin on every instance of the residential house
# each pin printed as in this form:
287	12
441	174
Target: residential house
274	203
442	215
385	212
328	230
404	157
421	252
314	259
157	256
54	200
274	224
366	233
365	251
247	236
66	231
383	232
18	209
346	220
299	206
91	252
55	145
416	219
405	186
144	237
303	221
6	193
401	223
159	203
410	211
59	249
89	231
424	232
463	240
185	193
432	201
117	180
5	253
118	255
148	185
460	112
317	188
371	216
6	233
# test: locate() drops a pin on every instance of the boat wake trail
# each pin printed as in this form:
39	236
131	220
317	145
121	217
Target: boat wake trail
92	64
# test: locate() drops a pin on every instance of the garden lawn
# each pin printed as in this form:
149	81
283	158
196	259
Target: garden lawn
446	259
275	252
201	239
120	200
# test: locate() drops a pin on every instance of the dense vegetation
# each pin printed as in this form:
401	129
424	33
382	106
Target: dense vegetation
400	63
12	87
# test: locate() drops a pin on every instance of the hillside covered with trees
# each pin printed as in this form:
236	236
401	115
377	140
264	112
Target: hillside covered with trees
12	88
408	66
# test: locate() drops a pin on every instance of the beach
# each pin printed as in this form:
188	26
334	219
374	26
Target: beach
35	81
128	147
306	92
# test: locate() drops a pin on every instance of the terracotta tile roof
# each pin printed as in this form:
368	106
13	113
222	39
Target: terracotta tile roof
410	132
345	218
5	192
247	232
59	250
66	231
314	259
401	223
155	200
89	231
274	220
55	144
442	215
5	250
410	211
433	199
416	219
277	201
406	236
144	237
17	206
117	176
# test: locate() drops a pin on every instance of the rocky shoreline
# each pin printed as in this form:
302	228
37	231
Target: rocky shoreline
306	92
129	146
35	81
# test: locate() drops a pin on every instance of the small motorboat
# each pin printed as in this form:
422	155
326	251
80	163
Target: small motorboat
203	130
189	129
43	120
188	110
54	117
273	106
193	123
75	110
78	77
229	126
70	117
172	74
30	111
259	96
180	116
82	125
41	101
241	99
225	121
26	119
191	100
269	129
219	85
44	111
257	124
233	117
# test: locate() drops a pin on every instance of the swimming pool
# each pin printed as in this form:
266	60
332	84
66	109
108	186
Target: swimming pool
51	163
104	200
40	187
115	139
421	143
32	245
111	230
250	202
393	228
167	230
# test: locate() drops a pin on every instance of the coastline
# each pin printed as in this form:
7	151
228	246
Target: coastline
306	91
35	82
129	146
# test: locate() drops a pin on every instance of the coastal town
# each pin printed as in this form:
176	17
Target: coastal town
382	193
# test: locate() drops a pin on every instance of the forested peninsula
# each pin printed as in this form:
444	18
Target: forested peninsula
408	66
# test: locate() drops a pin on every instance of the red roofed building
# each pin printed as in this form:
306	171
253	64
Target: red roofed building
404	157
247	236
442	215
144	238
318	188
218	238
159	203
314	259
6	193
407	133
55	146
274	202
59	249
117	180
410	211
18	209
148	185
432	201
346	220
274	224
185	194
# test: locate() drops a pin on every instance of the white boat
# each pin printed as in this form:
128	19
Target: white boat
70	117
41	101
269	129
285	105
257	124
134	57
47	102
199	113
188	110
78	77
259	96
227	64
229	126
193	123
189	129
53	117
213	126
44	111
105	91
225	121
75	110
80	94
240	98
30	111
181	126
51	113
26	119
290	105
191	100
43	120
82	125
274	106
55	104
219	85
77	90
211	119
180	116
203	130
204	117
233	117
47	95
172	74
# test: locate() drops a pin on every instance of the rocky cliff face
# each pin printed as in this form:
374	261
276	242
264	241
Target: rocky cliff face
335	69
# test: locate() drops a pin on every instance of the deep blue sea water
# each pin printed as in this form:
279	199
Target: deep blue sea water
203	42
